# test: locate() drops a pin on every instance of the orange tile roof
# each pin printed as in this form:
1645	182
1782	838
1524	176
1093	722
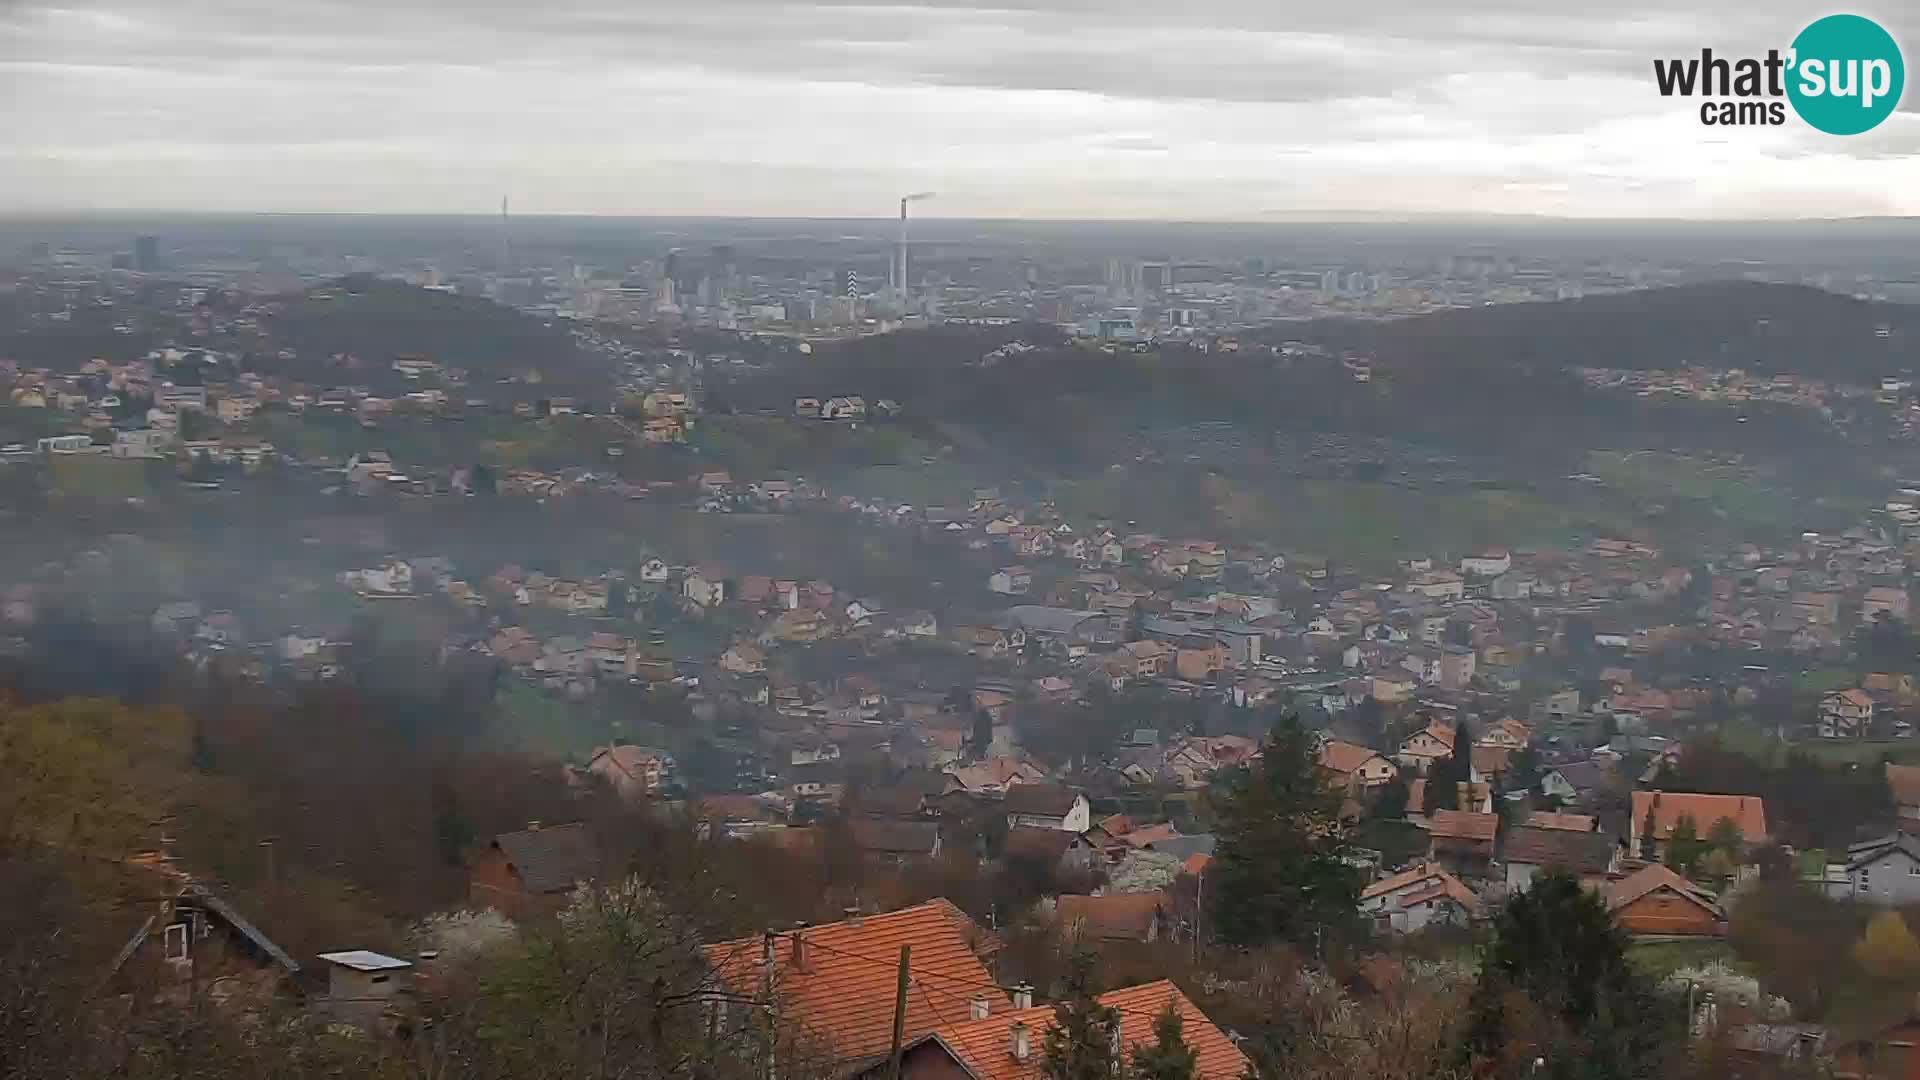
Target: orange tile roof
986	1048
1547	819
1151	834
841	993
1748	812
1463	825
1346	757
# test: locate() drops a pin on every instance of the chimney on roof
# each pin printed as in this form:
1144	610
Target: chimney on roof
1017	1041
853	916
980	1008
800	947
1023	996
767	948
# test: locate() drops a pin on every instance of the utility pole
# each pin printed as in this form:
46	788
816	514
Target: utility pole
899	1014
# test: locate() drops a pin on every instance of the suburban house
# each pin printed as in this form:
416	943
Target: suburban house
1012	581
1846	714
192	933
632	772
827	986
1419	897
994	776
1529	851
1548	819
1135	916
1884	871
707	588
1424	747
1666	809
1008	1045
893	841
744	658
1355	767
533	870
1508	733
1882	1048
1047	806
1463	841
1065	851
1145	659
1656	902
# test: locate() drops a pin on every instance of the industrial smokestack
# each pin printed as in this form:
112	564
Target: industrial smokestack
900	272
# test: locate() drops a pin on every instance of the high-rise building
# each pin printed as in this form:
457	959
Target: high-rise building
146	253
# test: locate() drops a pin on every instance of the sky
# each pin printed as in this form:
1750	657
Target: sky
1229	110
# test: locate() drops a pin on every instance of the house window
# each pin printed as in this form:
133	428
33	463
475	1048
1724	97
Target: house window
176	941
377	979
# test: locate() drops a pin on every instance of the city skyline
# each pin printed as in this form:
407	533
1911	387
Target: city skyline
1023	109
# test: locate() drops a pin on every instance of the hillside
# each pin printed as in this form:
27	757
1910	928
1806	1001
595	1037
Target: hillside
378	320
1725	324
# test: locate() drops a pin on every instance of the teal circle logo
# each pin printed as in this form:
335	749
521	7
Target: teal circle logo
1846	74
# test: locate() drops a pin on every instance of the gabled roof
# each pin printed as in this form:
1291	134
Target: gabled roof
1463	825
1033	843
1582	853
1866	854
1547	819
550	859
842	990
985	1048
1747	812
1116	915
192	892
1051	800
1653	878
1346	757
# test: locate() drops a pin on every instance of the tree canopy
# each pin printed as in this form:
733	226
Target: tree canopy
1280	871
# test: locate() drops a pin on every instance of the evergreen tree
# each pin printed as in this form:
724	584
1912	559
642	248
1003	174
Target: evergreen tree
1556	950
1169	1058
1684	846
1390	803
1080	1045
982	737
1446	775
1279	870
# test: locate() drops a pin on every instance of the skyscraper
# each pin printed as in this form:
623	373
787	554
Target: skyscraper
146	253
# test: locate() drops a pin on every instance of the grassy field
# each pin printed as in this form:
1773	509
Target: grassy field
97	476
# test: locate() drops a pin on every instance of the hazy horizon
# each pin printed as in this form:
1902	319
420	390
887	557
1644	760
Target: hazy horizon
1217	111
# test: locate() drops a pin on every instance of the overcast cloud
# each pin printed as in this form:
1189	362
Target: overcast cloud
1200	109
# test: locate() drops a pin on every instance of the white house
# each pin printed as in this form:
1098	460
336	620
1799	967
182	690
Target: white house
1047	806
1487	564
704	588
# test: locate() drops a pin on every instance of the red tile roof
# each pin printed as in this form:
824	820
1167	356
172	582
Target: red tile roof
841	993
985	1046
1346	757
1748	812
1463	825
1114	916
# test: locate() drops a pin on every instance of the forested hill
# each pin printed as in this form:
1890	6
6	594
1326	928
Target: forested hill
378	320
1725	324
